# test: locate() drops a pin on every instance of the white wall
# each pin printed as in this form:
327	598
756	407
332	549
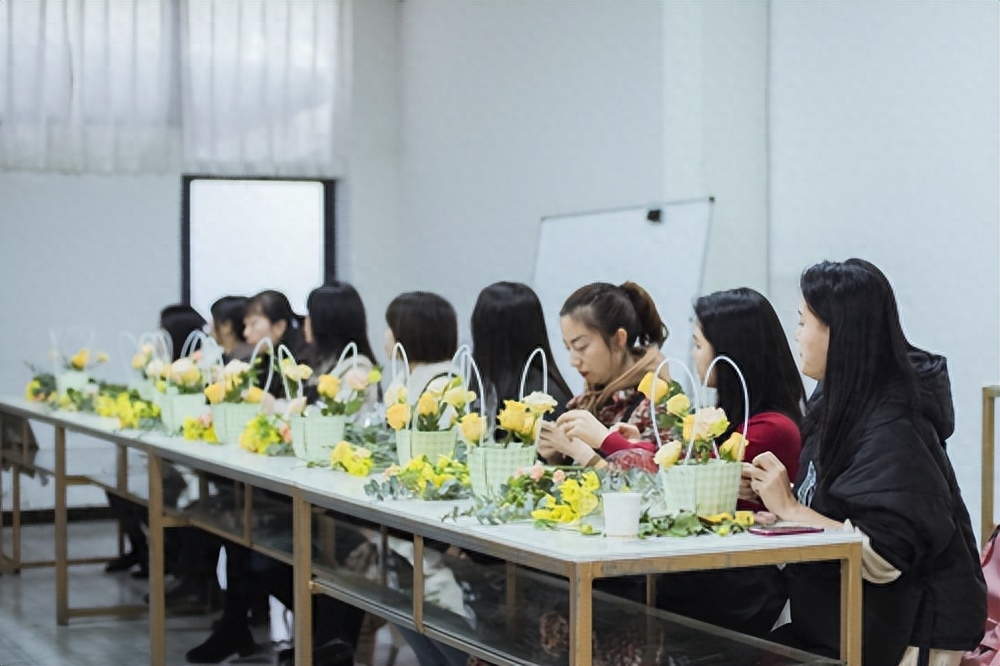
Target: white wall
884	145
513	111
101	252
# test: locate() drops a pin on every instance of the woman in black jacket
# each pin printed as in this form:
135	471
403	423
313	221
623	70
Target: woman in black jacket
874	461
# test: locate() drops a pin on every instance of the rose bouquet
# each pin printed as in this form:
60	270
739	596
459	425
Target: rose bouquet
698	475
346	397
234	398
429	430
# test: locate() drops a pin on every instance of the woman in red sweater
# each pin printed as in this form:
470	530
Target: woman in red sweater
740	324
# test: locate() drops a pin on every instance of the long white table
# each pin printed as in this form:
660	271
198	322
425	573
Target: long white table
579	560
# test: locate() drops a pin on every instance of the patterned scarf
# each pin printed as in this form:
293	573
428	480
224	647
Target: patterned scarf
617	400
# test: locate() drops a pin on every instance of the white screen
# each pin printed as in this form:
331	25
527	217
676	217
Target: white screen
251	235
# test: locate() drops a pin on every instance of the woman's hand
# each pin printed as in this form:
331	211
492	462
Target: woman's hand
626	430
746	492
582	425
555	446
768	480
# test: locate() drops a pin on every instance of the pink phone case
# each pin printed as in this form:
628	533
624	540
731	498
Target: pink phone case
779	530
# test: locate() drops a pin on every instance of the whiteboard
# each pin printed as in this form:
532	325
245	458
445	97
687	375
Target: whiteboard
665	257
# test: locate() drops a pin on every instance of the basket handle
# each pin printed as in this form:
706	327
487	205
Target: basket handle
743	383
538	351
652	404
286	353
264	342
469	367
352	348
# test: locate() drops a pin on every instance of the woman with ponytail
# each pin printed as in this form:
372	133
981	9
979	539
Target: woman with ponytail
613	334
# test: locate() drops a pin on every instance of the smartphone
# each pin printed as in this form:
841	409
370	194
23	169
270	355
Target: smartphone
778	530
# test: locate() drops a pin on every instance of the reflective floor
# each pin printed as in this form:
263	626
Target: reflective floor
29	635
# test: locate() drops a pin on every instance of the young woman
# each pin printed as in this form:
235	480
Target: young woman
228	314
178	321
270	315
740	324
507	326
426	325
874	461
336	319
613	334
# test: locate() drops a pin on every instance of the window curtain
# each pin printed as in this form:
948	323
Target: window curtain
221	87
89	87
262	87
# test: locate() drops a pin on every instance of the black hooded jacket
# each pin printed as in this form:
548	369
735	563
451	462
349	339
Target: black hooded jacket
900	490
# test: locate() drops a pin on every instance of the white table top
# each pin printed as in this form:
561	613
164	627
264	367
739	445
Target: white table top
342	492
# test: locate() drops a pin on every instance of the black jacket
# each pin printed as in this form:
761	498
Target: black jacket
900	490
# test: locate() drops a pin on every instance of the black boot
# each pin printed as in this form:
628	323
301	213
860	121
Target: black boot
227	640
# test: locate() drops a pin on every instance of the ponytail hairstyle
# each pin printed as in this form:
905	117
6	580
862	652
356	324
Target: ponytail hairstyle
866	354
606	308
742	324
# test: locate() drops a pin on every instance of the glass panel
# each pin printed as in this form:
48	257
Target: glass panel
221	508
271	520
536	628
346	555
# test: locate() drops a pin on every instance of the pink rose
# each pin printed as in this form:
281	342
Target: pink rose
357	379
286	433
536	472
558	476
205	420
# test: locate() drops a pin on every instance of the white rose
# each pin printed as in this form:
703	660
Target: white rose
357	379
539	403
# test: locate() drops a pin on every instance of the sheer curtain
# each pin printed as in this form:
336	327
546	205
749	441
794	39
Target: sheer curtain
89	86
262	87
224	87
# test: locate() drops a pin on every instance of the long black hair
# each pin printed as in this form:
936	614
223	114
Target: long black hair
337	317
606	308
742	324
507	325
867	353
425	324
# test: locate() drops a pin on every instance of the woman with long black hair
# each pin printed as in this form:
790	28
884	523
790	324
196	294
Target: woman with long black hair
507	326
874	461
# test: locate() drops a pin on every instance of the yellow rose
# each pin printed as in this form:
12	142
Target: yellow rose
427	405
472	427
516	418
668	454
458	397
139	361
398	415
254	395
79	359
215	393
734	448
102	357
646	388
328	386
688	427
679	405
374	376
191	376
341	452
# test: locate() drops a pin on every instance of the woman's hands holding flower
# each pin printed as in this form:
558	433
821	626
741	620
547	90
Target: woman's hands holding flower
581	424
768	480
